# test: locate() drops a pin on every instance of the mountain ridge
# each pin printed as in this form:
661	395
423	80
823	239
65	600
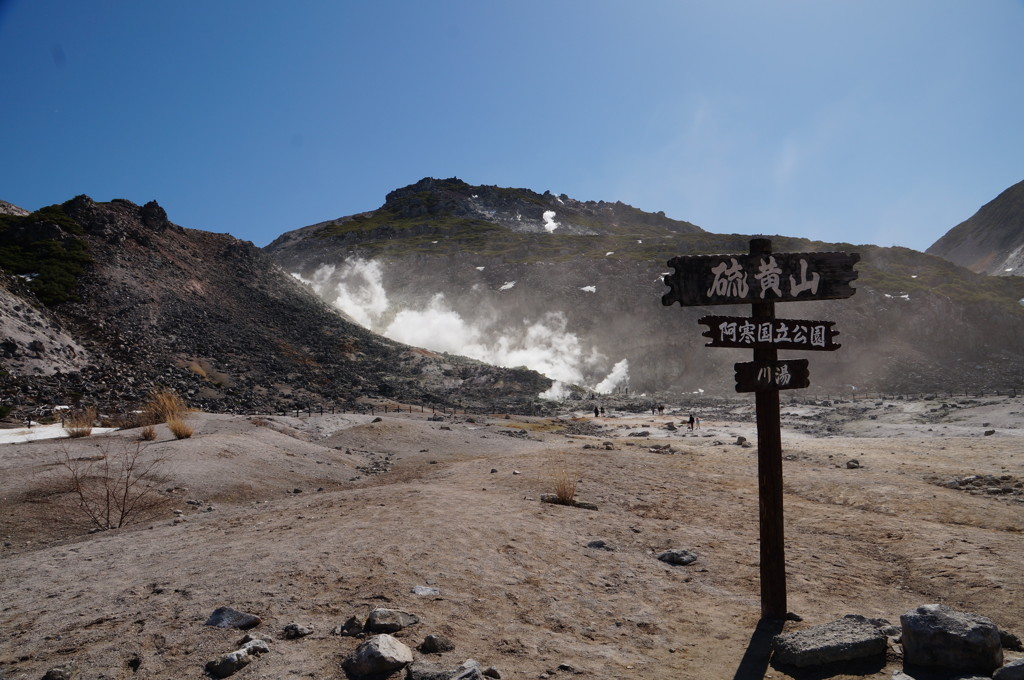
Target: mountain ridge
598	292
992	240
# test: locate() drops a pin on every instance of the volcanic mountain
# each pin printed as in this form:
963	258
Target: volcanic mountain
573	289
992	240
101	302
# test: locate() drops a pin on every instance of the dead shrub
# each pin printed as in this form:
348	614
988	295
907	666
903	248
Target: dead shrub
113	488
179	428
80	423
161	406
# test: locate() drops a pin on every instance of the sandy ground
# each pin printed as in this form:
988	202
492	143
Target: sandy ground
314	520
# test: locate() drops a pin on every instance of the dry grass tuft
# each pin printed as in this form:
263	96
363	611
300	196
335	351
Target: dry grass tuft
162	406
148	433
565	486
179	428
80	423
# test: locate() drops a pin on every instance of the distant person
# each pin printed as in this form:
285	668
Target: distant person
696	422
602	410
597	412
692	421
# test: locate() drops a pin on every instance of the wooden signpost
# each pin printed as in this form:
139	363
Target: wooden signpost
763	278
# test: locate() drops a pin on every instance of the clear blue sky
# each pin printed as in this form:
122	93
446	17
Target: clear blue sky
864	121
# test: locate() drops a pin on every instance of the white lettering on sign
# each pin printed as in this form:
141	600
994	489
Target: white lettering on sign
729	280
782	374
805	283
769	276
818	336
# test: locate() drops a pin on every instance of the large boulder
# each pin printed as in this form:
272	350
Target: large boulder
850	638
1011	671
939	636
379	655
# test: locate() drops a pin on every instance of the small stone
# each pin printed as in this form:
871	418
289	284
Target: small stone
852	464
436	644
351	628
383	620
600	545
295	630
68	671
425	591
678	557
226	617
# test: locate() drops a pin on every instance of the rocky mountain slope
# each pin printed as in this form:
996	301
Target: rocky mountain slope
472	270
101	302
992	240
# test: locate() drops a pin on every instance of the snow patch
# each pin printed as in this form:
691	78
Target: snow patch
480	269
589	289
508	285
36	432
610	252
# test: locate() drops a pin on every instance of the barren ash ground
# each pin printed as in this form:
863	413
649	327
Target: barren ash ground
314	520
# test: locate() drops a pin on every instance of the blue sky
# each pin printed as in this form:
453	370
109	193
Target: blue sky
860	121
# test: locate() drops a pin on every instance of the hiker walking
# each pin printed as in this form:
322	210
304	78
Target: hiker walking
692	421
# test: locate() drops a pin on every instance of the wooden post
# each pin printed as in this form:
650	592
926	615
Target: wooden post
769	473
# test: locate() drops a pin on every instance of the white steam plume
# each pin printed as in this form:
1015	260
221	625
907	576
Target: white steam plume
544	345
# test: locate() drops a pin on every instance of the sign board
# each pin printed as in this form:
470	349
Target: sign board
759	376
747	333
762	277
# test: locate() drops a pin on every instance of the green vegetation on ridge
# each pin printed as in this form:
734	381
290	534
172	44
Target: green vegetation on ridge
44	248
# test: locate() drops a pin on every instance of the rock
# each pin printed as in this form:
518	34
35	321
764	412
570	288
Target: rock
379	655
226	617
469	670
939	636
678	557
989	433
351	628
850	638
740	441
424	670
1010	641
231	663
436	644
852	464
68	671
383	620
600	545
425	590
1011	671
295	630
